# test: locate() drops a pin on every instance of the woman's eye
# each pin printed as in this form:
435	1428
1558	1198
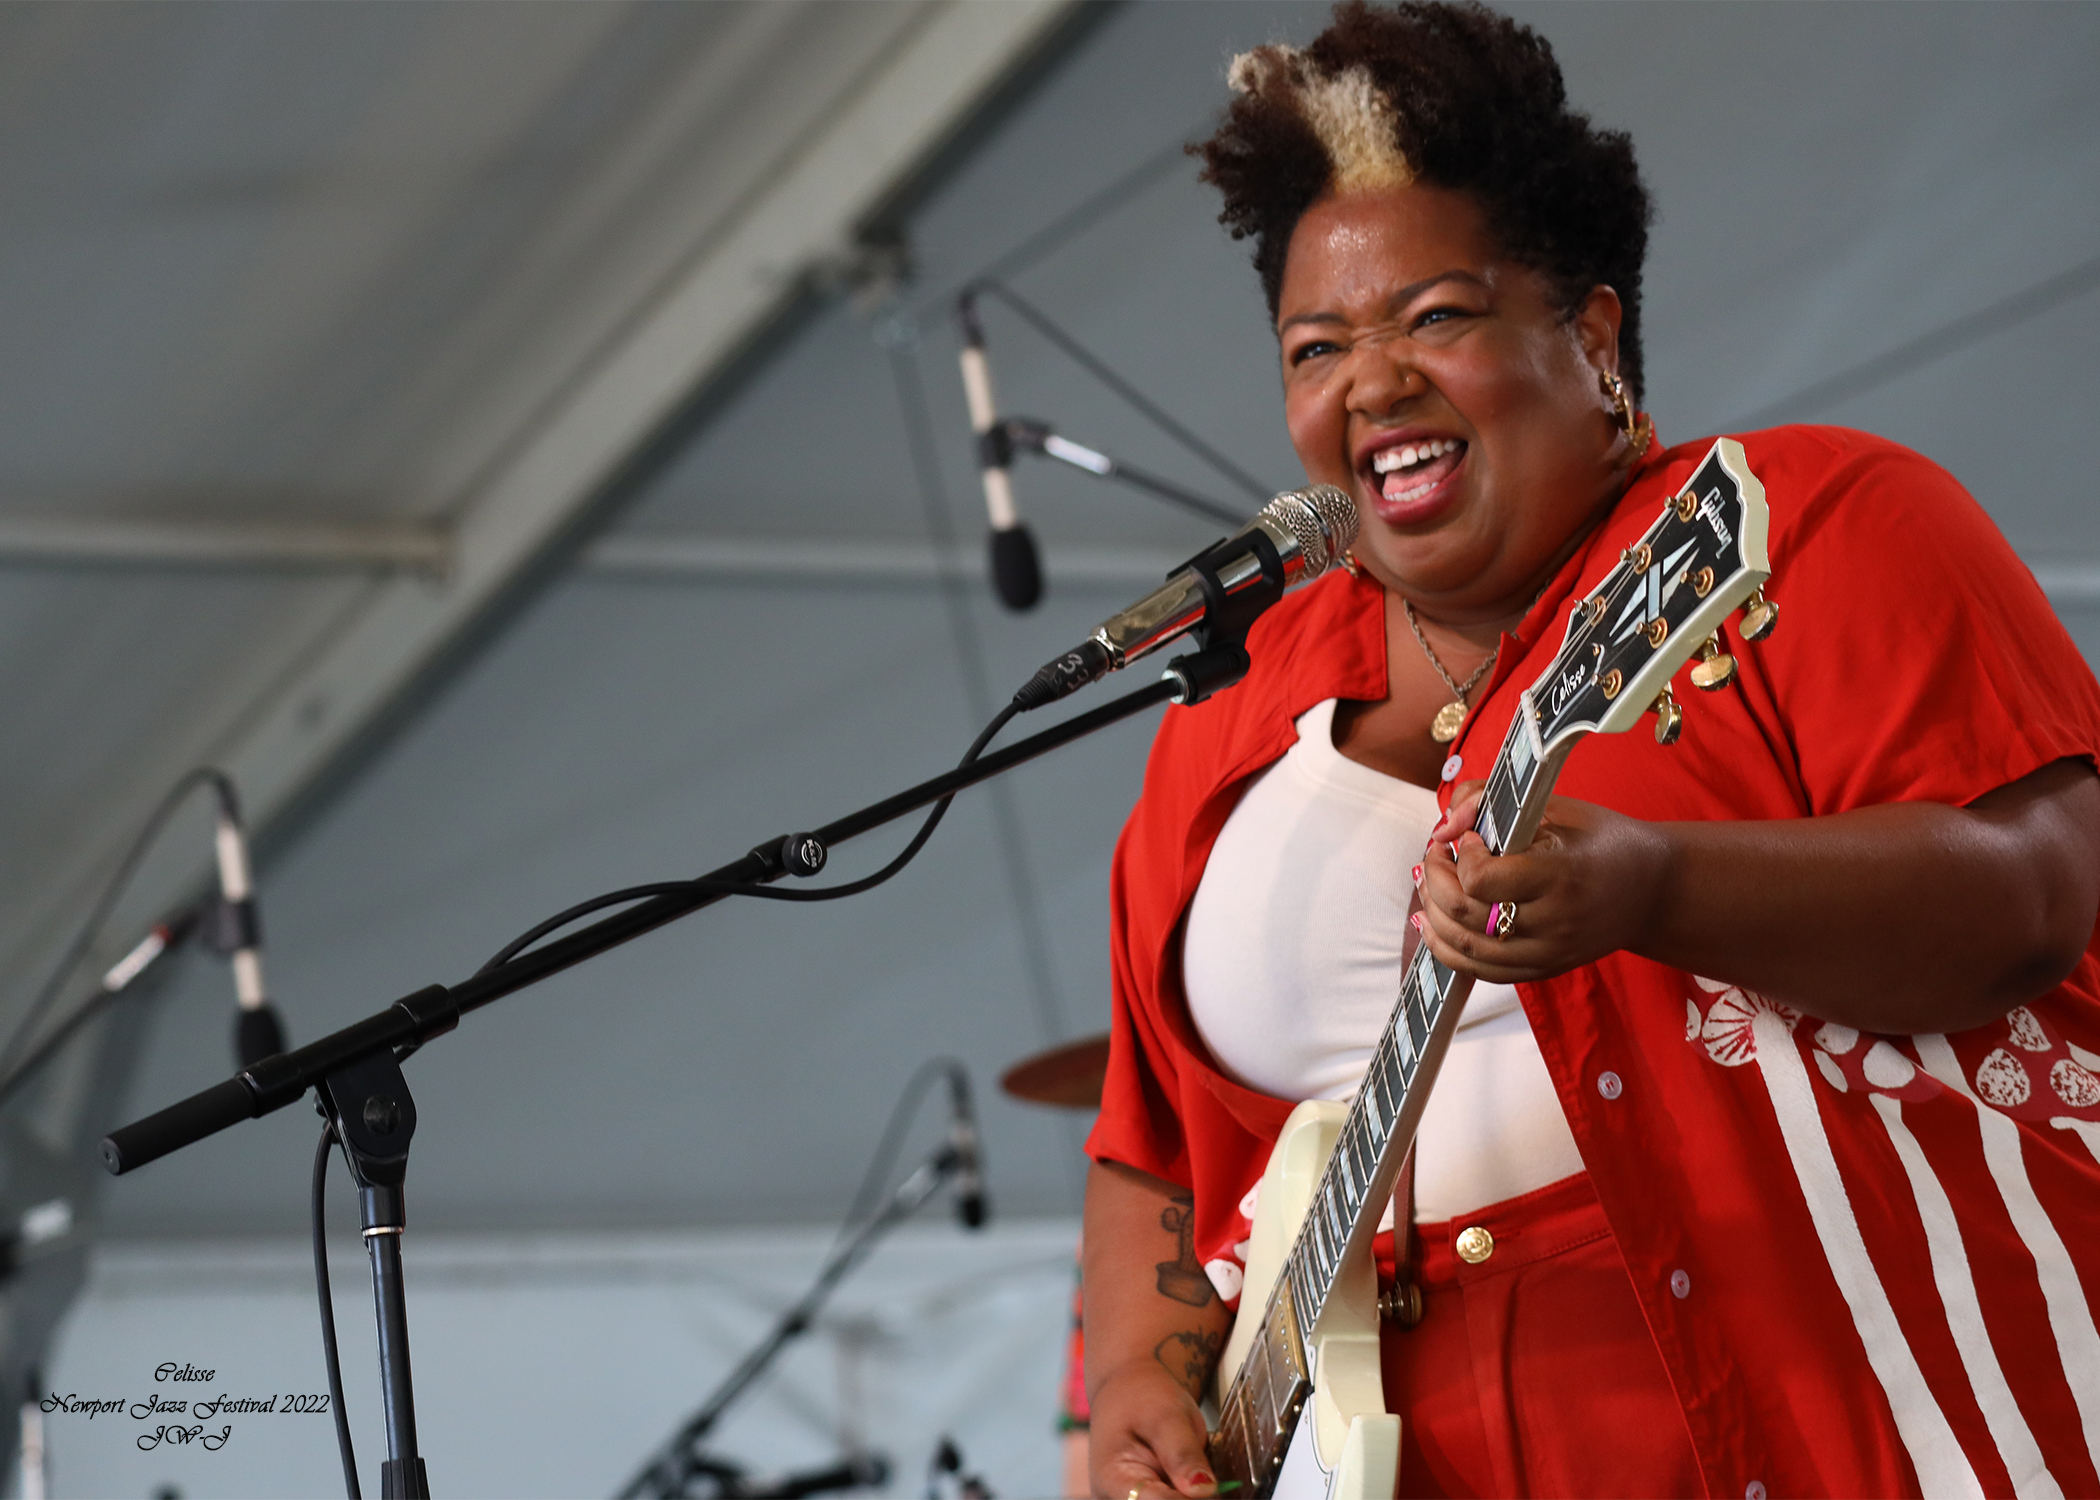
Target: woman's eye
1440	315
1312	349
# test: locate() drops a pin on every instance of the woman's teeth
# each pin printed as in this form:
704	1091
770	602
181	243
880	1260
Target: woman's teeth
1412	455
1406	470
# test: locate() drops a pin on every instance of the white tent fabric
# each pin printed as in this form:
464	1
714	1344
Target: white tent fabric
554	1364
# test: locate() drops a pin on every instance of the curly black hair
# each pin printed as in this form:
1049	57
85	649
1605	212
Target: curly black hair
1476	104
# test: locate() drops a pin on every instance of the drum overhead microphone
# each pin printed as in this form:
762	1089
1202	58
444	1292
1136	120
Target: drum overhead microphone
236	930
1294	538
1017	572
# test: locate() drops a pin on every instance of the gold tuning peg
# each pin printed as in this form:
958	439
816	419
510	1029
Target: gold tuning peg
1715	668
1759	616
1669	718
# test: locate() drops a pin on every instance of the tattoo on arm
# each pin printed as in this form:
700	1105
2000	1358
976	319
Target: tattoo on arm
1190	1356
1182	1278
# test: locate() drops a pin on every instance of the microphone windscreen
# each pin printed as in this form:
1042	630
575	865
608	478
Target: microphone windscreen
1017	575
258	1034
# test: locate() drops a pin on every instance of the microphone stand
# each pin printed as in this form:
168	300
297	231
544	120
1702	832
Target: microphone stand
679	1459
357	1068
374	1117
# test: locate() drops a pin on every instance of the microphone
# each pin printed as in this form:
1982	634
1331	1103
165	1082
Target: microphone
1017	573
237	931
1296	537
147	950
964	1145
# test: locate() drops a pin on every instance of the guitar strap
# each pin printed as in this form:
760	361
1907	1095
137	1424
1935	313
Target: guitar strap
1402	1304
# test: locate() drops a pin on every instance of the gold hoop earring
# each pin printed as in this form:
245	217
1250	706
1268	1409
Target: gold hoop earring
1639	430
1350	565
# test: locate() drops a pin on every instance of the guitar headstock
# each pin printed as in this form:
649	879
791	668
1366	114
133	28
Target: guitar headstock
1660	606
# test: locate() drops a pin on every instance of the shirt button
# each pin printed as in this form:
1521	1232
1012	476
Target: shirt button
1754	1490
1609	1086
1474	1245
1680	1285
1453	766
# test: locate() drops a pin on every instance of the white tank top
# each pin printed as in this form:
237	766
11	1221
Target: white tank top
1291	959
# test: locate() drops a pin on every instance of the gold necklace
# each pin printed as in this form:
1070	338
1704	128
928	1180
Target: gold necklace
1451	717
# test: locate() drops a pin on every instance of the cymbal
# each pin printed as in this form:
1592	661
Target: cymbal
1068	1077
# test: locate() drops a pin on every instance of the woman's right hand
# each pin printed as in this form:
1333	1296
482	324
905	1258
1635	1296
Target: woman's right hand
1147	1436
1154	1329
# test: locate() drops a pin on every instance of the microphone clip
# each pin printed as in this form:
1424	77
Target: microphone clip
1227	617
230	926
1202	674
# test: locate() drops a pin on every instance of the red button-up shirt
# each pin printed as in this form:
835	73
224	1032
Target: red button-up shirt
1869	1263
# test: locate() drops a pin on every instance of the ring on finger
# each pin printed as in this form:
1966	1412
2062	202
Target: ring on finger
1502	916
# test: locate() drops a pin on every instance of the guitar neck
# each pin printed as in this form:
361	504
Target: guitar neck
1257	1411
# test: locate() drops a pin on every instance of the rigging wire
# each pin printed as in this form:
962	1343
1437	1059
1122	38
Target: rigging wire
1084	215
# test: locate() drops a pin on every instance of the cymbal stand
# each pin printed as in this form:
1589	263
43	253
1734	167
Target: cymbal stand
680	1458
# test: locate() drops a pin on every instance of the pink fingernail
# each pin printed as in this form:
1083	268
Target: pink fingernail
1414	920
1417	874
1199	1477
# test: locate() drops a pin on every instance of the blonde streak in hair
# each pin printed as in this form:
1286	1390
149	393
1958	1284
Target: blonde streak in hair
1356	123
1253	72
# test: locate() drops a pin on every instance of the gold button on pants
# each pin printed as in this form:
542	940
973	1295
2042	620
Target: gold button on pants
1474	1245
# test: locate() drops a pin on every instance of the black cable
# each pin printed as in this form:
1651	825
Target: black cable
562	919
910	852
99	914
328	1348
1094	366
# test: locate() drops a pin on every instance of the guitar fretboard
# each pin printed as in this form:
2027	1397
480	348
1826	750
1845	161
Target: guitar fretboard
1427	992
1257	1412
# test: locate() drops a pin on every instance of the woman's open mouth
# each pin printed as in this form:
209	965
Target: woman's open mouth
1412	480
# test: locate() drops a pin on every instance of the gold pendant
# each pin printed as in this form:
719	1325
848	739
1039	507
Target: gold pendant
1449	720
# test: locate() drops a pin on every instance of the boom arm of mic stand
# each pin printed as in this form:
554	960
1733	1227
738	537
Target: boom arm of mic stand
409	1022
1026	436
904	1202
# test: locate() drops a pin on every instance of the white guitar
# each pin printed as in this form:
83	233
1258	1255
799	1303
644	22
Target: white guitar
1301	1406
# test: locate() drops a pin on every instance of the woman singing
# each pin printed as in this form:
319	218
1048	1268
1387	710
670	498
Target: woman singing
1767	1156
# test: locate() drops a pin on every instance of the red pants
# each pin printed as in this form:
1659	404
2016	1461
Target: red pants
1532	1372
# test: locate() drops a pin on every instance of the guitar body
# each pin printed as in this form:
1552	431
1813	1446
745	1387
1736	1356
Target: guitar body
1348	1445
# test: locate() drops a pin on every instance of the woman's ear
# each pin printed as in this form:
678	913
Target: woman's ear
1597	328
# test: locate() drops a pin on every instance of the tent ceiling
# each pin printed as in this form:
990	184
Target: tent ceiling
418	279
1883	216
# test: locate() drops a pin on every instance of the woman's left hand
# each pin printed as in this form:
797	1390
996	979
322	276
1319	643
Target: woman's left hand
1587	886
